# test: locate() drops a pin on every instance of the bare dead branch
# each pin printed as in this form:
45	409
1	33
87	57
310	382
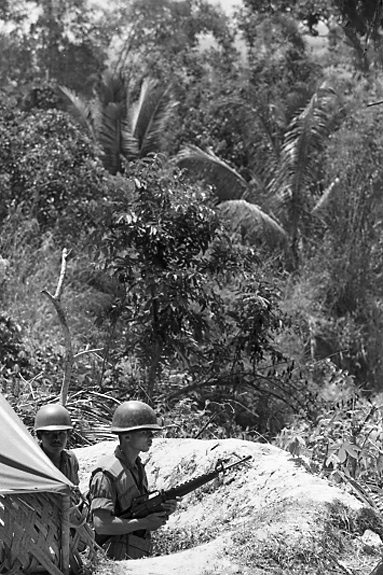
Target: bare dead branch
85	351
374	103
56	301
60	283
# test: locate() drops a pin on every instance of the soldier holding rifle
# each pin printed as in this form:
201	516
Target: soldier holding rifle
124	512
119	479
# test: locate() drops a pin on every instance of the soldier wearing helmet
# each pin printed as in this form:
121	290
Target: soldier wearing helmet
119	479
52	424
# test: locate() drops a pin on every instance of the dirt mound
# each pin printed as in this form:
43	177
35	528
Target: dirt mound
268	516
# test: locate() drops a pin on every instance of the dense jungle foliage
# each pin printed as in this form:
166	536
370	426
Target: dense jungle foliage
203	196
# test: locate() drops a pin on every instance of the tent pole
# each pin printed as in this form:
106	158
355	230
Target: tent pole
65	540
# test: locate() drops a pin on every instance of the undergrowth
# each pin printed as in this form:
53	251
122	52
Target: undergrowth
260	551
329	550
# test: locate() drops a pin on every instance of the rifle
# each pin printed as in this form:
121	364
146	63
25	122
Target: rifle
149	503
144	505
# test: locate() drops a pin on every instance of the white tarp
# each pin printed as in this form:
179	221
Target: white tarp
24	467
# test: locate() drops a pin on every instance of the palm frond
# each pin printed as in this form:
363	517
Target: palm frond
206	166
111	113
105	117
253	223
91	413
109	136
112	88
304	136
129	143
82	109
148	116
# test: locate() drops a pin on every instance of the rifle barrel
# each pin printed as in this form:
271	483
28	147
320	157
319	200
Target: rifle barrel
247	458
197	482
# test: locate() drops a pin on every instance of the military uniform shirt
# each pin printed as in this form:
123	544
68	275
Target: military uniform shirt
69	466
103	489
104	495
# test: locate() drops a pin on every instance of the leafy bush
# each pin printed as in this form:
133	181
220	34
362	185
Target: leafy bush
156	249
191	301
347	266
49	168
344	437
14	357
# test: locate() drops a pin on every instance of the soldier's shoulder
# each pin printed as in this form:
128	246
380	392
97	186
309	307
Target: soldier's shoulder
109	464
70	454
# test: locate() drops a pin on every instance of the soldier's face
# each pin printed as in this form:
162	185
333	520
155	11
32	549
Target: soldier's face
53	442
140	440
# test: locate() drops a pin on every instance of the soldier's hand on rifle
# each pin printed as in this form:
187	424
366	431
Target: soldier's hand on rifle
170	505
155	520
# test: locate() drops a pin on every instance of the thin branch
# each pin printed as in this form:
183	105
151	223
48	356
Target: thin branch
200	432
374	103
88	392
85	351
30	381
221	382
60	283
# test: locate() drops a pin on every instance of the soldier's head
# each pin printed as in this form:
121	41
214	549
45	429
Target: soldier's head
52	423
135	423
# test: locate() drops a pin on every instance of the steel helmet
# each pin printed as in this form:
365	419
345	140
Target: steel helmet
133	415
52	417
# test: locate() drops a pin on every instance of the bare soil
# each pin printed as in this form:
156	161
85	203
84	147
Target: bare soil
269	516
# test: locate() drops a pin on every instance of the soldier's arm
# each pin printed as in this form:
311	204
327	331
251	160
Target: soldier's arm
105	523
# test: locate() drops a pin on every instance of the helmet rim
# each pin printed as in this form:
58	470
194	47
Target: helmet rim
152	427
54	428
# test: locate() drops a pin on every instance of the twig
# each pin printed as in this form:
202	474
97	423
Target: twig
85	351
200	432
374	103
30	381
